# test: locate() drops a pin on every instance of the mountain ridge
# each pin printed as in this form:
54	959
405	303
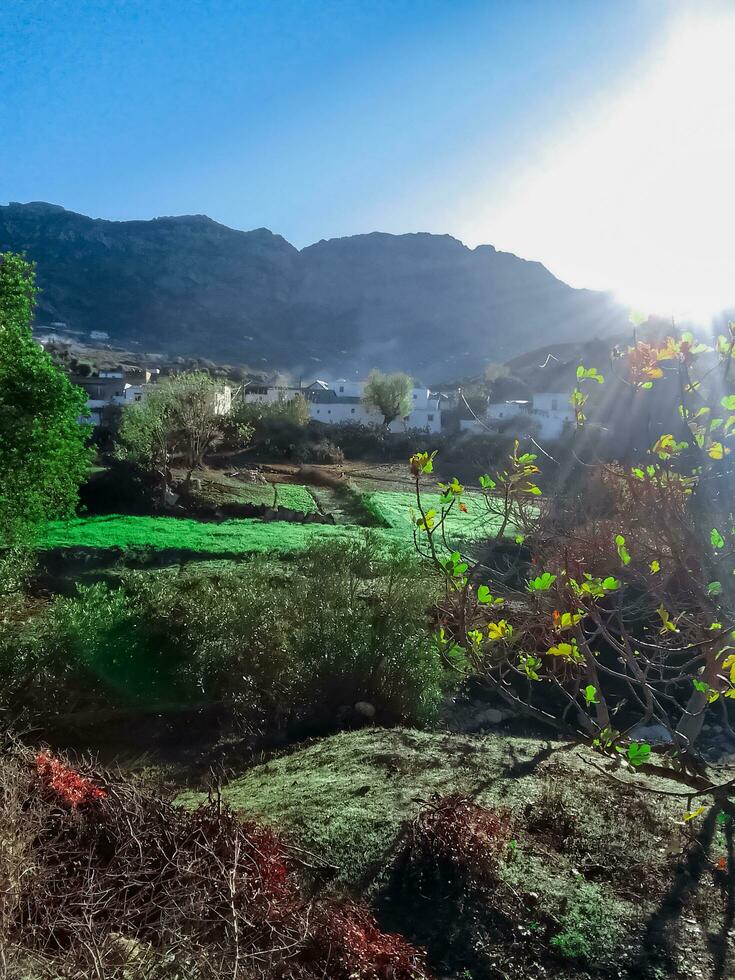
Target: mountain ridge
191	285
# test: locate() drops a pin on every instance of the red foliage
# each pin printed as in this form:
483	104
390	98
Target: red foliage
268	864
66	783
357	949
459	831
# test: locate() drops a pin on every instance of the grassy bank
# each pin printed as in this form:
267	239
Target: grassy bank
585	860
116	531
398	509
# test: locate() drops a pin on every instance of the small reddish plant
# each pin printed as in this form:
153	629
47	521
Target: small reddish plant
65	783
456	831
359	950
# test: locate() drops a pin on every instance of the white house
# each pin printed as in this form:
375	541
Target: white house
335	402
338	401
552	411
111	388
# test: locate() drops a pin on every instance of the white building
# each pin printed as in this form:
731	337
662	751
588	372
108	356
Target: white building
338	401
335	402
111	388
552	412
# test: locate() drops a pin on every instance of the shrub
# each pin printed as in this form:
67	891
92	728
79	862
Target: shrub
347	625
455	833
324	451
360	950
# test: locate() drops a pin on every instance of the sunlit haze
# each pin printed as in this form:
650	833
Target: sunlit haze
637	193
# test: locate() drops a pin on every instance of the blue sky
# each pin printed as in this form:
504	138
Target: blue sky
315	119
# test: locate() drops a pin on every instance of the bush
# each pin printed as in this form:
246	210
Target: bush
345	626
105	880
323	451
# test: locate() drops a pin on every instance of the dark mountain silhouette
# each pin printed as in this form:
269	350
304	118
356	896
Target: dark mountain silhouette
419	302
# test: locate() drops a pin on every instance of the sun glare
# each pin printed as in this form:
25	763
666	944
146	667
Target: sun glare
638	194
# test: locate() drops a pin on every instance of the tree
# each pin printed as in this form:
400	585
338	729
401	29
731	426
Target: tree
389	394
44	455
494	371
625	618
180	417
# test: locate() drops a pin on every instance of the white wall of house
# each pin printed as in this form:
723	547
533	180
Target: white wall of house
336	412
507	410
221	400
425	413
550	410
129	393
270	395
553	412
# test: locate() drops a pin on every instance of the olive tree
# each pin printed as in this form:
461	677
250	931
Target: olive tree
389	394
182	418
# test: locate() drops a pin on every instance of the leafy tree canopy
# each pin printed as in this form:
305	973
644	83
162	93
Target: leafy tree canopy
182	416
43	451
389	394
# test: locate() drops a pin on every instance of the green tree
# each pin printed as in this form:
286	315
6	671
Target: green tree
626	619
43	448
389	394
182	416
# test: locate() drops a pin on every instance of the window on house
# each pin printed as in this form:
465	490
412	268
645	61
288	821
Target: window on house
341	387
554	404
414	397
352	410
329	411
138	398
430	417
318	412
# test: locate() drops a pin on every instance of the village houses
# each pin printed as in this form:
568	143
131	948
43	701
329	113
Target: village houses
333	402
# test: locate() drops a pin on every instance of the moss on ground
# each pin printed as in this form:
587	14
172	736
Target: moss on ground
348	797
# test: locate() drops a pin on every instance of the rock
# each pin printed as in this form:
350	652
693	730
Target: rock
651	734
363	709
492	716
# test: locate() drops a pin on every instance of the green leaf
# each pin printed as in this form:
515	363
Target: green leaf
728	402
655	566
590	694
622	550
609	584
716	538
484	594
714	588
638	753
542	583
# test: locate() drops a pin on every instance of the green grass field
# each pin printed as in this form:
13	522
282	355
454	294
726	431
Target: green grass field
228	490
399	511
181	534
395	510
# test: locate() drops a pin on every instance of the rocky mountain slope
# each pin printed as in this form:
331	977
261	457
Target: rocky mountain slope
419	302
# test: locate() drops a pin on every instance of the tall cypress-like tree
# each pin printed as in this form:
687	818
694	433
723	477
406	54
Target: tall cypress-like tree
43	449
